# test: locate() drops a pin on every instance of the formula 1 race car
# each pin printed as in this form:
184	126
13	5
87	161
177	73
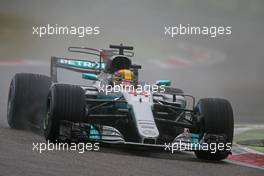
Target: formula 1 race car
117	107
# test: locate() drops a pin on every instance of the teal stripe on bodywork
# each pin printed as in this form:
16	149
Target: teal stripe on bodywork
94	133
195	138
111	97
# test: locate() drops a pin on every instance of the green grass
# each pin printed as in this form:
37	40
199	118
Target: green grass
15	33
259	149
251	135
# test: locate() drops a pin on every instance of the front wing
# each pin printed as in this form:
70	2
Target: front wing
84	132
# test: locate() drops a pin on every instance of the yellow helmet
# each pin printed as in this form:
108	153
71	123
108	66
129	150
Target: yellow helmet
123	75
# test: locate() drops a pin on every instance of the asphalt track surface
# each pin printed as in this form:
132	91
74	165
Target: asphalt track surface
18	158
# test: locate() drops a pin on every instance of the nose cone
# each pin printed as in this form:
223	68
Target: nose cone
142	114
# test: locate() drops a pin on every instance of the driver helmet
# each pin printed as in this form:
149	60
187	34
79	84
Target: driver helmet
123	76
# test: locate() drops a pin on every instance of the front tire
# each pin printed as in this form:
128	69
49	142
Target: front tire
26	100
65	102
216	118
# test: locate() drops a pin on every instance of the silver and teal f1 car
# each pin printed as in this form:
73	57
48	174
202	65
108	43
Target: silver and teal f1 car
160	117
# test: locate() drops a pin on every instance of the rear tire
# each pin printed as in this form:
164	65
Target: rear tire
65	102
217	118
27	100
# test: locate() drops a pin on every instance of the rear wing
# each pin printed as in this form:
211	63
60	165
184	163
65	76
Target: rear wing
77	65
85	66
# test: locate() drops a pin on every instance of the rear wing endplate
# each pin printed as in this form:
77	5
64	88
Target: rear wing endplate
77	65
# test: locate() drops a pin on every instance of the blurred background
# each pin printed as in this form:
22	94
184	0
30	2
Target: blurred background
226	66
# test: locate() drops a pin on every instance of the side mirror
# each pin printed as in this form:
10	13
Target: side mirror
89	76
163	82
